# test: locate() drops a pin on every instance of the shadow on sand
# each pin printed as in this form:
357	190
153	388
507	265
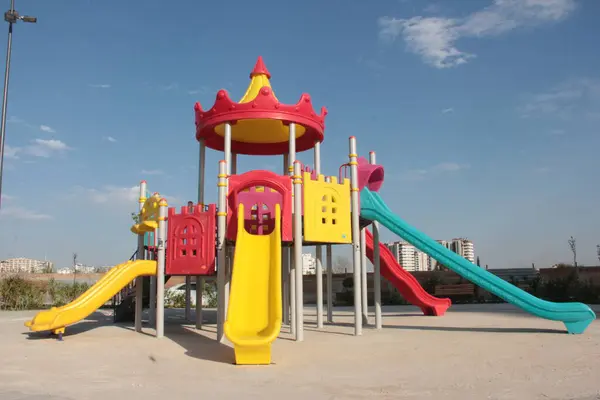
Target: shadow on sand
198	345
445	329
473	329
96	320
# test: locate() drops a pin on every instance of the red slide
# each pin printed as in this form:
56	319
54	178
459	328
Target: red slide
407	285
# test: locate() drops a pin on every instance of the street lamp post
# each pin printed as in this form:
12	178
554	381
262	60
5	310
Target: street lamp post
11	16
573	246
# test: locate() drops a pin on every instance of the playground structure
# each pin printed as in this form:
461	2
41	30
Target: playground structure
252	239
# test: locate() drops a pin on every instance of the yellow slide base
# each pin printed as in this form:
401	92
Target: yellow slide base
254	311
253	355
57	318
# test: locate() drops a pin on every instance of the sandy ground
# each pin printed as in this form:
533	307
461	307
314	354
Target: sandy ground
474	352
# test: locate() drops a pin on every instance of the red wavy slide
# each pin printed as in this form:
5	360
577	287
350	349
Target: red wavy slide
405	282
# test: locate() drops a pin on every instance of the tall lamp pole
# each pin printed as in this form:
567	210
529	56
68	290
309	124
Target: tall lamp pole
11	16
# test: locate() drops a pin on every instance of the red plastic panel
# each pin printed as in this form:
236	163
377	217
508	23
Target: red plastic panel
191	241
405	282
259	207
243	188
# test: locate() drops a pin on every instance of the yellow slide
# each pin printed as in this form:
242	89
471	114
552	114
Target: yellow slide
254	311
56	319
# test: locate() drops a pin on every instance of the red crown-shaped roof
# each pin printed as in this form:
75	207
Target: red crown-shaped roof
259	122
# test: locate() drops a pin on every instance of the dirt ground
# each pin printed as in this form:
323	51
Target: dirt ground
473	352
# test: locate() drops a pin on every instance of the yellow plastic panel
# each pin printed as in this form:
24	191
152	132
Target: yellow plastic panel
56	319
148	216
327	217
254	311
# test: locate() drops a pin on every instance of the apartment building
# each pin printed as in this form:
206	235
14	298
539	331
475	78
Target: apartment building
309	264
25	265
408	256
412	259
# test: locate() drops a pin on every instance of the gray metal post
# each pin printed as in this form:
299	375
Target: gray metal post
221	248
298	252
293	264
139	281
11	16
160	273
199	278
329	283
376	263
152	304
285	265
363	277
355	237
319	251
188	298
234	162
227	149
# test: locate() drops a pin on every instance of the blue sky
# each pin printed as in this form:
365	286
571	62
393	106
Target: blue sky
485	114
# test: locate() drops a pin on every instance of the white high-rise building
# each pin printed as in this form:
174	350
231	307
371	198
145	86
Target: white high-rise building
309	264
408	256
412	259
464	248
421	261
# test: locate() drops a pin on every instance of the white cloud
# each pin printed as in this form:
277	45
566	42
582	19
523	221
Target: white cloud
11	153
441	168
38	148
152	172
45	148
447	110
110	139
100	85
6	197
47	129
432	8
448	167
15	120
434	38
201	90
170	86
113	195
21	213
575	97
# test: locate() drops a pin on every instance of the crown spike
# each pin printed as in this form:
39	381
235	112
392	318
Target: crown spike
260	69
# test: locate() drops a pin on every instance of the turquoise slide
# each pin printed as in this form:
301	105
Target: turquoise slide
575	316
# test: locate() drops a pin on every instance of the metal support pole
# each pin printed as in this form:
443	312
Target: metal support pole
160	273
319	250
11	16
139	281
227	149
298	252
293	264
188	298
285	265
355	237
363	277
376	263
200	278
5	97
329	284
221	249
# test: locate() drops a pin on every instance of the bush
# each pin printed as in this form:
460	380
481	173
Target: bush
174	300
63	293
17	293
177	300
210	291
